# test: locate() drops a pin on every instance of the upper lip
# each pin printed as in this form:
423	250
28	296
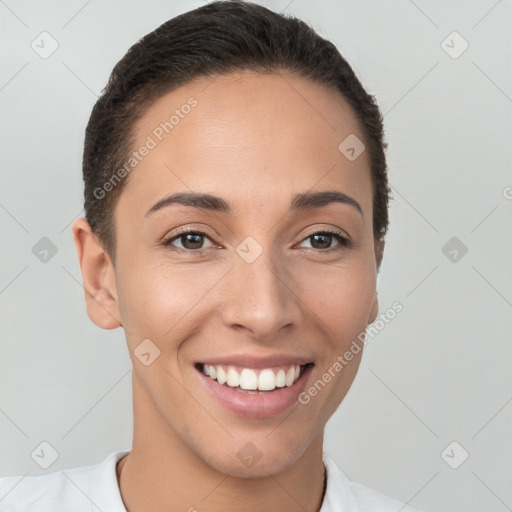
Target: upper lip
250	361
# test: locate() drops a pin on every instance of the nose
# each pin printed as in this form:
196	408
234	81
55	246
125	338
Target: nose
261	298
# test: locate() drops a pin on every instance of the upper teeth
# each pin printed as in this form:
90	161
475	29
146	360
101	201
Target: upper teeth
247	378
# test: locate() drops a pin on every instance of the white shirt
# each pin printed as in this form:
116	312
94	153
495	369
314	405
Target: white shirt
94	488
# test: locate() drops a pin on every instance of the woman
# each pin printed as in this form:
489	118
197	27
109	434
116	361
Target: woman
236	206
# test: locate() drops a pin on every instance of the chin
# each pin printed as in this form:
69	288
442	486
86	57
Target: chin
255	459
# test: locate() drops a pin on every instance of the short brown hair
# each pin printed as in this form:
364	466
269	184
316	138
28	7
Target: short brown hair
218	38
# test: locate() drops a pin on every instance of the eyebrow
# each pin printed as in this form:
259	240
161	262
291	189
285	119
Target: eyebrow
300	202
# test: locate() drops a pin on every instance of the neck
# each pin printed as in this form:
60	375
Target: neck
162	472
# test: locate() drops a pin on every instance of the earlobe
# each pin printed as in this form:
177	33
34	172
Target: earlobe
98	276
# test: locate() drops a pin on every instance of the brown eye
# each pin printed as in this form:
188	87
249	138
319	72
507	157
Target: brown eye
323	240
192	241
189	240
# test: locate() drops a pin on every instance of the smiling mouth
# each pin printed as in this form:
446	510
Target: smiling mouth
254	380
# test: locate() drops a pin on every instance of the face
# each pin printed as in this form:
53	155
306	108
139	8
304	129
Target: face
266	280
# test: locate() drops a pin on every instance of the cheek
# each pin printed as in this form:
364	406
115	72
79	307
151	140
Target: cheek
157	302
341	302
341	298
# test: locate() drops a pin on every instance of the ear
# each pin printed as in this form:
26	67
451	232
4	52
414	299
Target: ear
98	275
374	310
379	252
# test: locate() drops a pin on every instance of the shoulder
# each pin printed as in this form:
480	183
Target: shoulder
67	490
344	495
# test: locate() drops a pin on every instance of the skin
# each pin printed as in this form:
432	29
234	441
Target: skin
256	141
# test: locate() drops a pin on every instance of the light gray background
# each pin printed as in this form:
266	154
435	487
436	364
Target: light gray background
439	372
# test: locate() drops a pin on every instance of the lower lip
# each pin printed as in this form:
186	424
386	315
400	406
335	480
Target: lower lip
256	405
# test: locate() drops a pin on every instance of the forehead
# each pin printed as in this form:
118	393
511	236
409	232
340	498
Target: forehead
247	135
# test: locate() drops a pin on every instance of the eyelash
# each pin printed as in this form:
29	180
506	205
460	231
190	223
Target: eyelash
344	242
